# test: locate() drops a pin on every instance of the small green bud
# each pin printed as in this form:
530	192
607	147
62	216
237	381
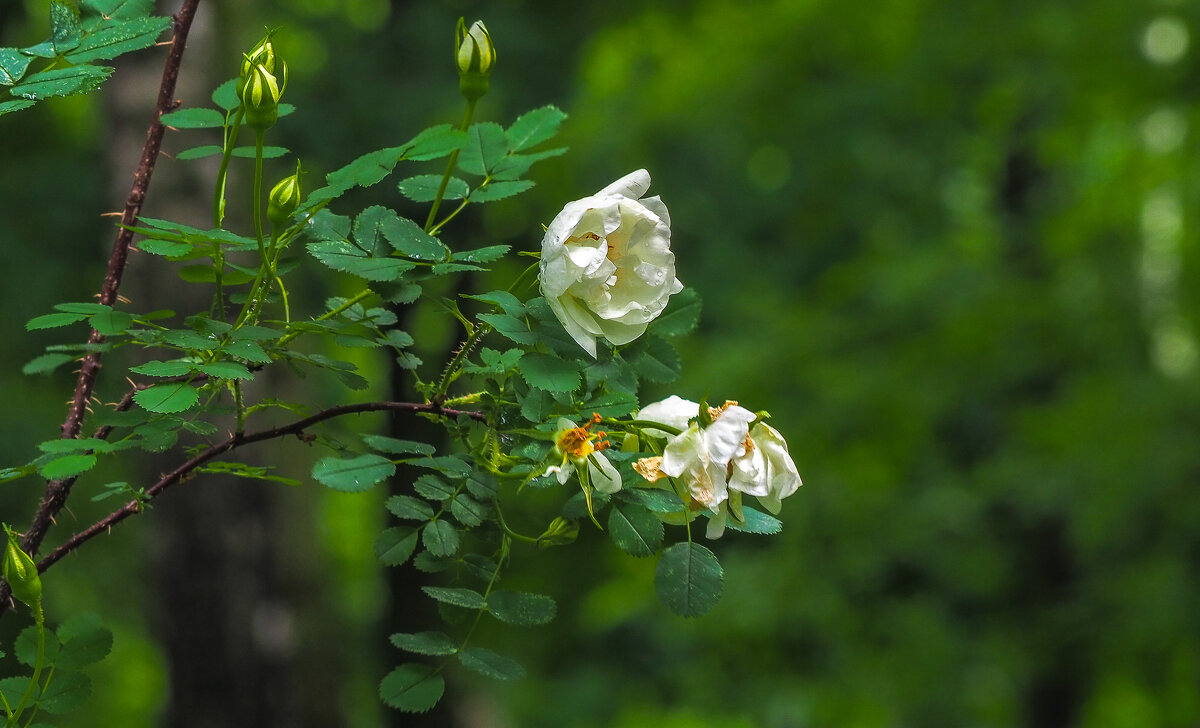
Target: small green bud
261	54
21	573
475	56
261	94
560	532
284	199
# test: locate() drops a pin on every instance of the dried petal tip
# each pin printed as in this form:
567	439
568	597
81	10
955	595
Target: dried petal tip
650	468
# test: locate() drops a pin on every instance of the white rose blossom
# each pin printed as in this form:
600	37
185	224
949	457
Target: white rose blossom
719	463
607	269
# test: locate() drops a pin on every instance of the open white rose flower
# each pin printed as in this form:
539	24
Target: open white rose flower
607	269
719	463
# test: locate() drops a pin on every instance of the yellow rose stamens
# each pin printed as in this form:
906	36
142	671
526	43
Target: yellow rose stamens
576	443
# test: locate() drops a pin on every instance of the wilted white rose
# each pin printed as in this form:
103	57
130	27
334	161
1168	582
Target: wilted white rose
700	457
719	463
765	469
607	269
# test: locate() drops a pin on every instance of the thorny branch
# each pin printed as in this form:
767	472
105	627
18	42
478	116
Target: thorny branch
233	442
55	496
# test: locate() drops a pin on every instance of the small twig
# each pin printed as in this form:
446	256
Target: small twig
55	496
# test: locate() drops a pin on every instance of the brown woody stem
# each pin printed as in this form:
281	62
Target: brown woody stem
55	496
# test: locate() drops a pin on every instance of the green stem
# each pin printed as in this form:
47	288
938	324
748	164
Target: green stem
438	228
638	425
524	274
251	306
460	356
509	531
437	200
456	362
259	136
487	592
472	398
230	138
287	310
218	307
329	314
240	406
231	135
39	620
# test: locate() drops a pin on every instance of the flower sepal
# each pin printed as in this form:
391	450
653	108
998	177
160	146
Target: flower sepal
560	532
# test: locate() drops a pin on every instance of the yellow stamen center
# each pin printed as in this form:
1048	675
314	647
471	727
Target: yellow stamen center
576	443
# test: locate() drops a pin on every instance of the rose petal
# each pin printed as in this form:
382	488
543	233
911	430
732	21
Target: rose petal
726	435
673	411
604	476
632	185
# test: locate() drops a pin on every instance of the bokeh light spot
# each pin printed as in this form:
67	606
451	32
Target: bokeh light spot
1164	131
1165	40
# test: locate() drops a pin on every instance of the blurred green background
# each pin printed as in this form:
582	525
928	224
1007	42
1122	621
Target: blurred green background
951	246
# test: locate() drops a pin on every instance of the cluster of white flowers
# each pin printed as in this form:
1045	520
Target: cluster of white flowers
734	455
607	270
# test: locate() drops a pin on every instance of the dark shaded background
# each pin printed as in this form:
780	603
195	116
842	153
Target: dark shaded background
951	246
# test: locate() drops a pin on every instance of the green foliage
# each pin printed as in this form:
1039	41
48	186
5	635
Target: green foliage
533	128
548	372
440	538
458	597
502	395
79	642
425	643
412	688
353	474
84	640
395	545
689	579
168	398
67	466
407	507
76	40
634	529
523	609
757	522
424	187
489	664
